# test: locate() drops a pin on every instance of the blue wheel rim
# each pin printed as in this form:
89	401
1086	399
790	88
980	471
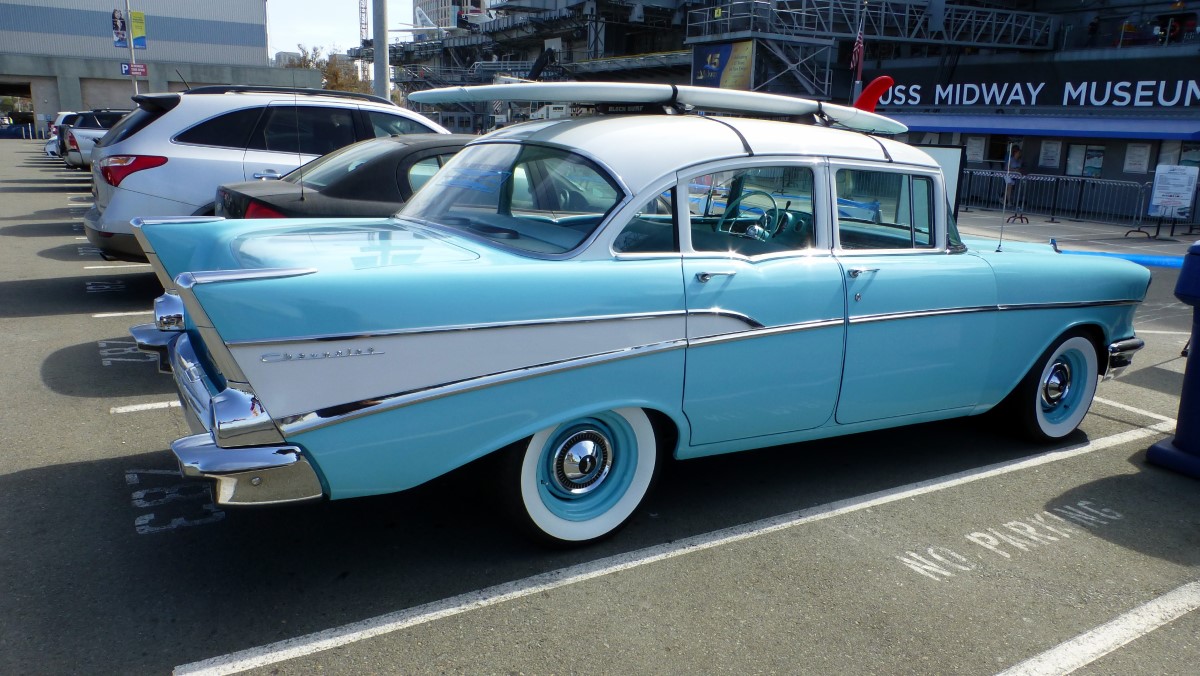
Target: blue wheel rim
595	494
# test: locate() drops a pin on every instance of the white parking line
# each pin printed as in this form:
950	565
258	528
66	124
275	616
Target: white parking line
143	407
1125	407
1091	646
102	315
113	267
384	624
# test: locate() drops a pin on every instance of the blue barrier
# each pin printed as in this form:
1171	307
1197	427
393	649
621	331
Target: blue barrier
1141	259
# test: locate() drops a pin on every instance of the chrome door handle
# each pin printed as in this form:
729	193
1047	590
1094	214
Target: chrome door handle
855	272
270	174
703	277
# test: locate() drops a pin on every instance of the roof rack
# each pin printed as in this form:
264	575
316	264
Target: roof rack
227	89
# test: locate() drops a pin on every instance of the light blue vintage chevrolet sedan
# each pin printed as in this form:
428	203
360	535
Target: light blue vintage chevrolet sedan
588	295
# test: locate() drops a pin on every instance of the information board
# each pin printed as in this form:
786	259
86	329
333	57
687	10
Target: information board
1174	191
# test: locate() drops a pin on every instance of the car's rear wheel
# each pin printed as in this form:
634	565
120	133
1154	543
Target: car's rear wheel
1053	398
582	480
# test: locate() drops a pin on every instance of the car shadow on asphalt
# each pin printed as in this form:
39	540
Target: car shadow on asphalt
26	189
111	367
80	250
53	229
100	292
75	213
1152	511
157	564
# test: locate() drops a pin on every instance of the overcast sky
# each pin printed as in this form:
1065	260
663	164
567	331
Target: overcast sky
325	23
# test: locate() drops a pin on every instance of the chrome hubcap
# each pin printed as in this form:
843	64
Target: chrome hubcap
1057	384
582	461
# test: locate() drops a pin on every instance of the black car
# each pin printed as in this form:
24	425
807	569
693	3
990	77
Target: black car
370	178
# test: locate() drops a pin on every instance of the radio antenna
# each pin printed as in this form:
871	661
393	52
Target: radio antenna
299	155
185	82
1004	200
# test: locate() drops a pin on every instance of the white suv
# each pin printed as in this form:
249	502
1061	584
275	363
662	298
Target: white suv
167	158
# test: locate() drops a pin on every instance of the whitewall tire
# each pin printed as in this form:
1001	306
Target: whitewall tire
1056	394
582	480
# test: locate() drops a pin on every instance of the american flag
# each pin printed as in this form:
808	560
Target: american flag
856	56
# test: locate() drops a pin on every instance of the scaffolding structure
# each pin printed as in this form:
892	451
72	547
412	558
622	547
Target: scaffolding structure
799	46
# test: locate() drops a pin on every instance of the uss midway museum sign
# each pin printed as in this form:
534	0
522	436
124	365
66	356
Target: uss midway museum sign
1073	86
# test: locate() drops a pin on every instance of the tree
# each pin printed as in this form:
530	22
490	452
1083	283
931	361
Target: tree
337	72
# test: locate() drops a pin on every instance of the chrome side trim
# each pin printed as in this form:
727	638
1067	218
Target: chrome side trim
263	475
890	316
766	331
1066	304
866	319
716	312
187	280
337	414
1120	355
139	221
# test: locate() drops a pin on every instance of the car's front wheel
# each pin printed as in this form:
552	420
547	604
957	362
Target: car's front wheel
1055	395
581	480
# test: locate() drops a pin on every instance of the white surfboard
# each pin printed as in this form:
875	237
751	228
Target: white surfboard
701	98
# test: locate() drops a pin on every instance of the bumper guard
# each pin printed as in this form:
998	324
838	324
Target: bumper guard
1120	355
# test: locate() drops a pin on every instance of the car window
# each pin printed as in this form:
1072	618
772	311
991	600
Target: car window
423	170
532	198
309	130
223	131
884	210
384	124
325	170
752	211
652	228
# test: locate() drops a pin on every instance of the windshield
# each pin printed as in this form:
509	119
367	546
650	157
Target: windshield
542	200
328	168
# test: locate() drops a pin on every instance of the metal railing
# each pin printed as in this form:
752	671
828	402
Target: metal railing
1070	197
889	21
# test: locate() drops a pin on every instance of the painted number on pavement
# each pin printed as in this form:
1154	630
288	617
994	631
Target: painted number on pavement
112	351
167	504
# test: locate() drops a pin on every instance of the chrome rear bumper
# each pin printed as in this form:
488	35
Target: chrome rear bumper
261	474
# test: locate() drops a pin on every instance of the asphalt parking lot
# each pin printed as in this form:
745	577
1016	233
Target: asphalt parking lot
945	548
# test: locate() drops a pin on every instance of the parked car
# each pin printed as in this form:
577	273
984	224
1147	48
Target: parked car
369	178
59	119
83	133
168	156
59	129
51	146
556	296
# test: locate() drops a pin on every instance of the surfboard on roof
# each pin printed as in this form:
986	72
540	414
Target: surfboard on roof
699	98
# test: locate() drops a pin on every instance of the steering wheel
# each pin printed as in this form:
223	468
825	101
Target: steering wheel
770	218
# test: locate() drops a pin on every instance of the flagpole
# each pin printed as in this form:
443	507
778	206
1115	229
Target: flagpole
857	53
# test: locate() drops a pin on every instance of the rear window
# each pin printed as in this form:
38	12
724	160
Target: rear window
230	130
384	124
324	170
128	126
99	120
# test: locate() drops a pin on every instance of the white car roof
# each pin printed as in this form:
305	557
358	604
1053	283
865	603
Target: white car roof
642	148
